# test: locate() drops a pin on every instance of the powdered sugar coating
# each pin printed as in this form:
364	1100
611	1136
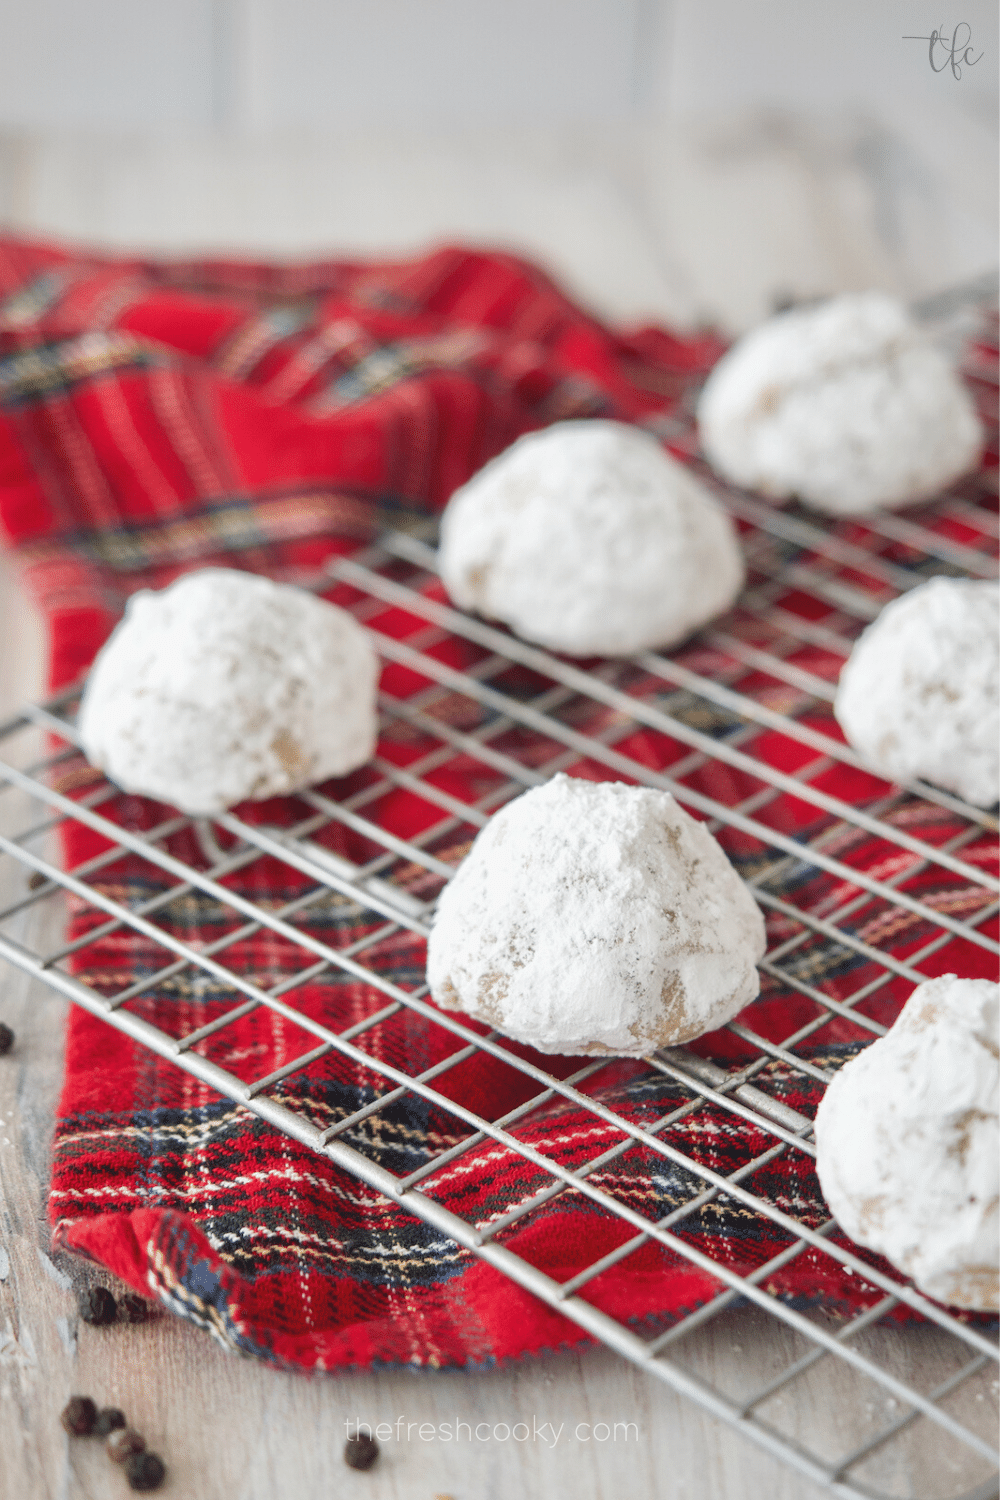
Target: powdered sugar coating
227	686
846	405
906	1139
920	693
589	538
594	917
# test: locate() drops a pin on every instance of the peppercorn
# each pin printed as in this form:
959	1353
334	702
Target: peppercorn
133	1309
35	879
124	1443
98	1306
109	1419
360	1451
6	1038
145	1471
78	1416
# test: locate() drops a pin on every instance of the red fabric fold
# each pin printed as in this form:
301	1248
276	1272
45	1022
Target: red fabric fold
157	416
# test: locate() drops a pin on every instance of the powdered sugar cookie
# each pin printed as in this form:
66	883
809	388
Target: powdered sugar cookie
596	917
920	693
906	1141
847	405
589	538
226	686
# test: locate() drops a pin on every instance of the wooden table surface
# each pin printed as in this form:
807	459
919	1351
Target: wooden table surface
232	1430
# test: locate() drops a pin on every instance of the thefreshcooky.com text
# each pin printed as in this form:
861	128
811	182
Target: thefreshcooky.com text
404	1431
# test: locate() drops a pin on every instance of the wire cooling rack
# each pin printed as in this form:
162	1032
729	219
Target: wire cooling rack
738	725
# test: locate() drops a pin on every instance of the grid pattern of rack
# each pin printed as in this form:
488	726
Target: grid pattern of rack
737	725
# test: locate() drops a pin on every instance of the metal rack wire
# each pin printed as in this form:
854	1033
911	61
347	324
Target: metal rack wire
764	676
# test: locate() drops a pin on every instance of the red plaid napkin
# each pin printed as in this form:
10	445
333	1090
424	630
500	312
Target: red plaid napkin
160	416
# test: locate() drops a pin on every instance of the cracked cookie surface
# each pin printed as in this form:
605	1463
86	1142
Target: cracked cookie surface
919	695
225	686
846	405
589	538
595	917
906	1142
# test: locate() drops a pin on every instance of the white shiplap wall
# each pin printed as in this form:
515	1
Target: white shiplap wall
308	65
107	64
268	66
817	55
678	159
279	65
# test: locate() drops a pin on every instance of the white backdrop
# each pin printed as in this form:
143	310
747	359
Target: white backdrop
266	66
681	159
